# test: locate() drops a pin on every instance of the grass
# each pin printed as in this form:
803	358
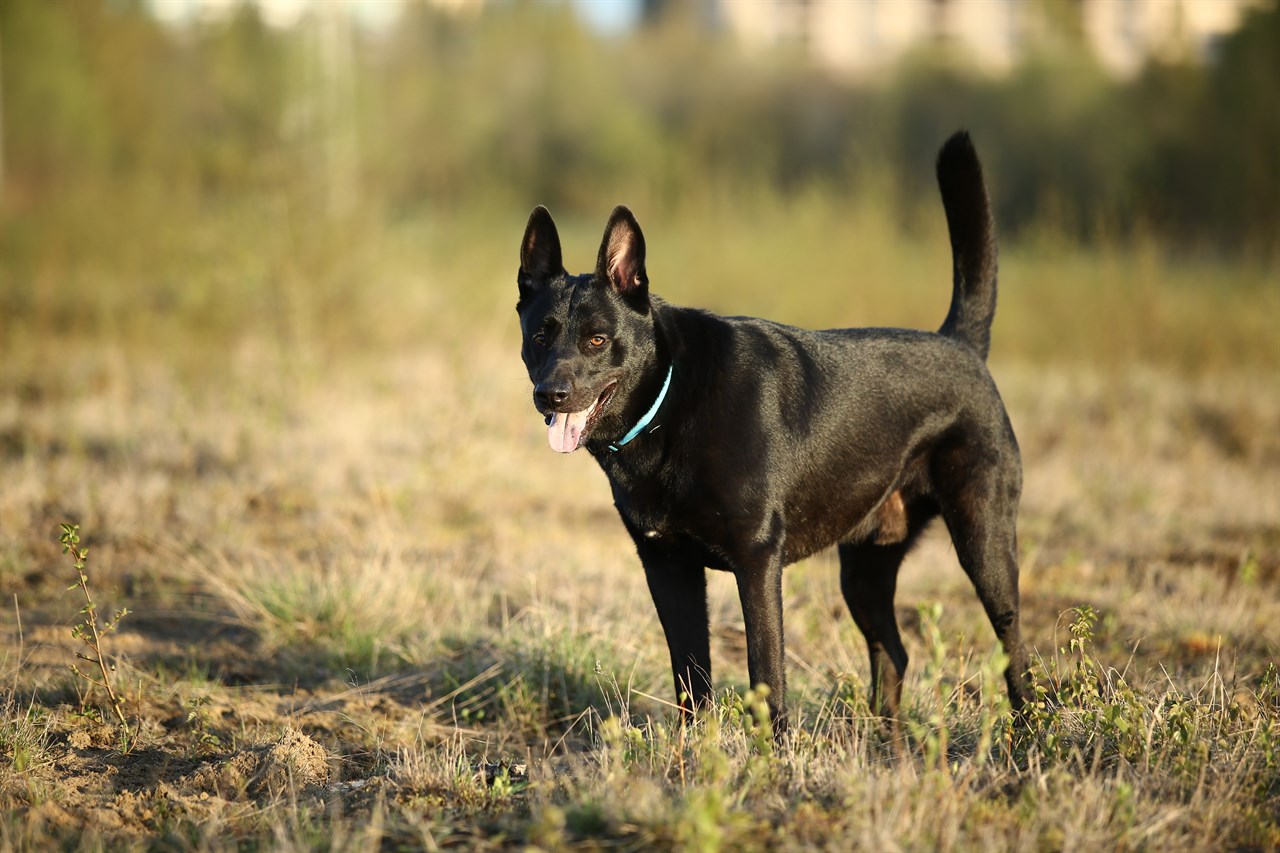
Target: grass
369	609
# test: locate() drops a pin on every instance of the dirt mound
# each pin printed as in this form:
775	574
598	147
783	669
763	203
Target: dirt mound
138	793
295	761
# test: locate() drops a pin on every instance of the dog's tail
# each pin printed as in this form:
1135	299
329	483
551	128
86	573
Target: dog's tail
973	243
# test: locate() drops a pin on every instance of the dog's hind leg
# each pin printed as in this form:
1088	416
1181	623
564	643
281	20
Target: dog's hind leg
868	579
981	514
679	591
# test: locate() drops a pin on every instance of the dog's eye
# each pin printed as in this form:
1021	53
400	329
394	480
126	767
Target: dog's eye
540	339
598	340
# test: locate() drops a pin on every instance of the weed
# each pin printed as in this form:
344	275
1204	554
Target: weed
198	720
933	731
1084	705
89	632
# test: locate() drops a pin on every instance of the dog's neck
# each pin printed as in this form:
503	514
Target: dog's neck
647	417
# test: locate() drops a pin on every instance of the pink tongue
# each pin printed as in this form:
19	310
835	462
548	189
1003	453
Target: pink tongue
566	430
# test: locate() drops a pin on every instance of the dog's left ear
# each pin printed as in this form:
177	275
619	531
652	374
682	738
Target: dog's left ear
540	258
621	260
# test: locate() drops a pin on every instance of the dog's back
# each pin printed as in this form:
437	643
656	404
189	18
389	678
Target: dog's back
810	409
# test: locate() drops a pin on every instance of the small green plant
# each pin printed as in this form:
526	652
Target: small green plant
1088	705
198	719
933	732
753	716
90	633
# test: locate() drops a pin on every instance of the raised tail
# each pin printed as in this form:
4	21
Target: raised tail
973	244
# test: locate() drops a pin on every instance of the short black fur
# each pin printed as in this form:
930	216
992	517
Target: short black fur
775	442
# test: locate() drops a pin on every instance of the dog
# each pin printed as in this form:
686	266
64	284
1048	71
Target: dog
744	445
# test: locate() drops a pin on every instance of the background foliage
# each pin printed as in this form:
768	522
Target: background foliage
521	103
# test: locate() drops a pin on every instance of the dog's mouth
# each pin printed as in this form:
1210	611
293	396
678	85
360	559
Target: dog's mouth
565	430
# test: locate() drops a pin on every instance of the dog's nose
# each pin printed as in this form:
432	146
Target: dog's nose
551	395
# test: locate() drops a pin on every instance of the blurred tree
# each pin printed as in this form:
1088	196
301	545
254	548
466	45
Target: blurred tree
1235	137
1211	169
56	127
236	102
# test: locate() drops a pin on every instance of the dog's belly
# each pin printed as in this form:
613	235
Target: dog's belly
844	507
806	536
722	537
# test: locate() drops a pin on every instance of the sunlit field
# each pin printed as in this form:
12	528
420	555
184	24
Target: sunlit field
369	608
259	353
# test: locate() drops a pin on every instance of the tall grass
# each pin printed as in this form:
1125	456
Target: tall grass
319	291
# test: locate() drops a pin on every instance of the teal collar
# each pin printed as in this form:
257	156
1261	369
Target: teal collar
647	417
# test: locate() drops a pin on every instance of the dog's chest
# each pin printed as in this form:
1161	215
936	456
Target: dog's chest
679	522
646	507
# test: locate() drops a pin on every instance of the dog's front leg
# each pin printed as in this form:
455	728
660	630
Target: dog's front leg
679	590
760	589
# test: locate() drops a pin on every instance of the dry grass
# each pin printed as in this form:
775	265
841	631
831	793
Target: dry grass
369	607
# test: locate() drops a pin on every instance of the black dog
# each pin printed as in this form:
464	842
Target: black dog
739	444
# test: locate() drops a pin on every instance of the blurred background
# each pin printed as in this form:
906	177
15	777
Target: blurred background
227	164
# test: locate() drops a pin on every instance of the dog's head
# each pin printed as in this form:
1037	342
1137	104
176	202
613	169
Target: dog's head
587	338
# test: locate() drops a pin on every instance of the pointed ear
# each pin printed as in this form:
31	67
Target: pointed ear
621	260
539	250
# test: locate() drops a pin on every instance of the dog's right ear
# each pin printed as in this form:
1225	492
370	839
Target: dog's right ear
539	251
